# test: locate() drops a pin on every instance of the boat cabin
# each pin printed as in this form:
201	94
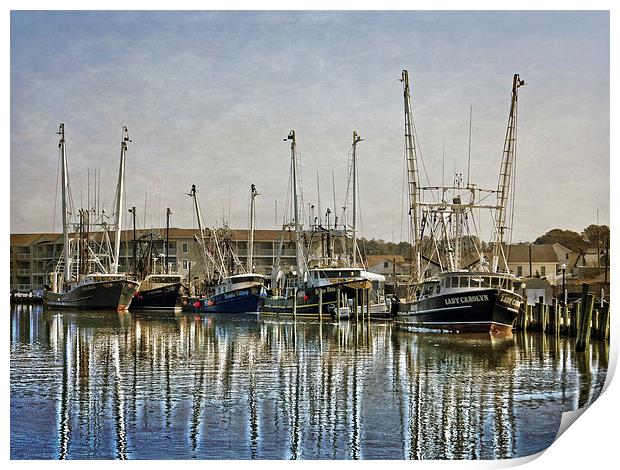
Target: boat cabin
90	278
449	282
153	281
240	281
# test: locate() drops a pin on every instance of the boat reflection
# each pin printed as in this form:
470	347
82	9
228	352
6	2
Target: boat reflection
174	385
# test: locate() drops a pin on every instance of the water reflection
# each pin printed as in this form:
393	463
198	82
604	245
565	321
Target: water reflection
107	385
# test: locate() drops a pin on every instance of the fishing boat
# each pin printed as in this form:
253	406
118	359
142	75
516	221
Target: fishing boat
159	292
330	286
229	287
86	275
240	293
452	290
159	289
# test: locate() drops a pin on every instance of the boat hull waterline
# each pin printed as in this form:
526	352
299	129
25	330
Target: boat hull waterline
247	300
114	294
481	311
165	297
310	305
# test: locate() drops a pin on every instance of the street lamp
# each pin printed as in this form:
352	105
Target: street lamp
563	268
523	286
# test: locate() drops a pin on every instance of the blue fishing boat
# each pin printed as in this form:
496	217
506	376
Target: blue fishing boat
241	293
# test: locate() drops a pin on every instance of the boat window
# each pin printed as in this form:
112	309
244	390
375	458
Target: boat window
437	289
246	279
494	281
454	282
486	281
164	280
464	281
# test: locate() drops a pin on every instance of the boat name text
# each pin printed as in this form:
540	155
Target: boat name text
467	299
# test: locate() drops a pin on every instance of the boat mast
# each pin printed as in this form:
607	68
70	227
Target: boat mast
119	199
135	259
413	178
250	262
65	189
505	173
356	139
298	242
168	213
193	195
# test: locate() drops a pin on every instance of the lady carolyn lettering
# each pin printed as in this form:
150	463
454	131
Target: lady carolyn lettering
467	299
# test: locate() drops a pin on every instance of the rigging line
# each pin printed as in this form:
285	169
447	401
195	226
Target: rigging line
514	179
419	147
358	202
402	196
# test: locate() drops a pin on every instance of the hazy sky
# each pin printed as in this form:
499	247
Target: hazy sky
208	98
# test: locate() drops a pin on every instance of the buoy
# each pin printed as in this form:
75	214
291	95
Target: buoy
197	304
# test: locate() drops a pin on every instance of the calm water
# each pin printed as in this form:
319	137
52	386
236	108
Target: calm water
165	386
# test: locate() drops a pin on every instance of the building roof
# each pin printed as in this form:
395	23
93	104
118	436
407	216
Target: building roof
540	254
237	235
31	238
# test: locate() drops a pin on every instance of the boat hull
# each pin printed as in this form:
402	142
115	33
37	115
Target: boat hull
480	311
114	295
308	305
165	297
247	300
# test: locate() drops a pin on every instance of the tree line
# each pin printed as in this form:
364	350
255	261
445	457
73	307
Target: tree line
592	236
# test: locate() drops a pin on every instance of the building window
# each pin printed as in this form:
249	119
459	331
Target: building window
519	271
185	248
185	264
386	264
543	270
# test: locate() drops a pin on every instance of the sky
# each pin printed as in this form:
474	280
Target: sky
208	98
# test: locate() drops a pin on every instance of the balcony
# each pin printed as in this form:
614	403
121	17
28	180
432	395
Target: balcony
266	252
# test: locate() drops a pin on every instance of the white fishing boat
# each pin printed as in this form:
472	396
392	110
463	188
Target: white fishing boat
86	275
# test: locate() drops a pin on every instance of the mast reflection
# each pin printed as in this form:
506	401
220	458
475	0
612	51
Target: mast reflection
183	386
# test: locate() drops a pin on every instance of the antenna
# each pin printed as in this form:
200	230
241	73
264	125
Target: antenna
318	197
443	160
469	147
334	193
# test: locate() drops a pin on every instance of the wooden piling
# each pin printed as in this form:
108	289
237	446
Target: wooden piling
295	304
583	335
321	305
574	315
565	318
540	316
595	323
604	323
338	302
355	303
554	319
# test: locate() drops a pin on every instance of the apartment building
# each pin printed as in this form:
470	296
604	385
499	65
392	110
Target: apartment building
34	256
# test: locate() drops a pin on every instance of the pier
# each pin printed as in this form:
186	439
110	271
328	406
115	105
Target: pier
583	319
